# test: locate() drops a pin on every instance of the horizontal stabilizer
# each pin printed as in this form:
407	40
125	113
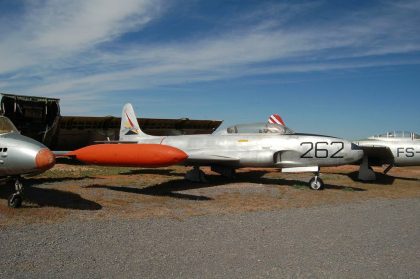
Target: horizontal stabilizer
301	169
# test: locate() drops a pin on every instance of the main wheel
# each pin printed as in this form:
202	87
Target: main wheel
15	200
316	183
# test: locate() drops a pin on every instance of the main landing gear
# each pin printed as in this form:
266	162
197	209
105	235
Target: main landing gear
196	175
316	183
366	172
15	199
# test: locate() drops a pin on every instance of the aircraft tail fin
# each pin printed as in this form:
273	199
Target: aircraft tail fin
130	129
276	119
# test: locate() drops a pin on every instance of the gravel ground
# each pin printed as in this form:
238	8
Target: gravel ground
376	239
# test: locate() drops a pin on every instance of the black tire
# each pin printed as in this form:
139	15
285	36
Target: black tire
15	201
319	185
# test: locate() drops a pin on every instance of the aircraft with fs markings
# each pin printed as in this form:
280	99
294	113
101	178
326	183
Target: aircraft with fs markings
399	149
250	145
20	156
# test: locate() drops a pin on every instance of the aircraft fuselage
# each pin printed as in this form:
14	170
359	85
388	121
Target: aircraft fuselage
263	150
20	155
406	152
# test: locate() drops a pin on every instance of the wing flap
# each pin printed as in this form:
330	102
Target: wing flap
210	158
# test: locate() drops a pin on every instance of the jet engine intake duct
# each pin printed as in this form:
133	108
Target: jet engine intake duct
289	158
257	158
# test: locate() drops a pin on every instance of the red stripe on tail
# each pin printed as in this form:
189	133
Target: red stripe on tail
129	120
275	118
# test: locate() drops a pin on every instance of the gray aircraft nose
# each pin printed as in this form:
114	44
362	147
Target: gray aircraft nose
44	159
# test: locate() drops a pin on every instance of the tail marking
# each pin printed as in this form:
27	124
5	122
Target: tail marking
275	118
132	130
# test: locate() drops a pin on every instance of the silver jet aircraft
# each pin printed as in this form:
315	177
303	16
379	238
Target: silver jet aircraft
250	145
20	155
398	149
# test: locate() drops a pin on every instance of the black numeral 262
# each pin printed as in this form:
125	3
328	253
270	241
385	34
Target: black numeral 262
322	152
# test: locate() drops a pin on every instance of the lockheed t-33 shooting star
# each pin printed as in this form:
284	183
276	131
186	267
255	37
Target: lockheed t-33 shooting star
20	155
250	145
399	149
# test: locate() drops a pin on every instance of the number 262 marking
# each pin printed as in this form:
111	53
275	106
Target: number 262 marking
322	152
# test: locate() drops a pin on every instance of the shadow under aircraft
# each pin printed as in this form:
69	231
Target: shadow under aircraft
173	188
54	198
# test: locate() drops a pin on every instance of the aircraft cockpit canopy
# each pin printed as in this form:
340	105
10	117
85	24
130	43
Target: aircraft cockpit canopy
259	128
6	126
398	134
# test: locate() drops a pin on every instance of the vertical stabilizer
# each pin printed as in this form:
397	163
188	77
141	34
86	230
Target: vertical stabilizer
275	118
130	129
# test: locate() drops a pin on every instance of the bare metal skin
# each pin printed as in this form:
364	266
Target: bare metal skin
19	156
400	149
251	145
261	150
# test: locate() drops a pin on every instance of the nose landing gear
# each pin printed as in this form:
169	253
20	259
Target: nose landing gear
15	199
316	183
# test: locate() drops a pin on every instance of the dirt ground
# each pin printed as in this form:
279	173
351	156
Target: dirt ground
87	193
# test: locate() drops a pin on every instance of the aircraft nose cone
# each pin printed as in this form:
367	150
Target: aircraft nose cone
44	159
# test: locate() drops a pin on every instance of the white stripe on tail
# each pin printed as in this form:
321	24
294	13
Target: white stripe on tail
275	118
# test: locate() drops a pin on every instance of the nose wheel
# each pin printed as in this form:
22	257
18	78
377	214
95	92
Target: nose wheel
15	199
316	183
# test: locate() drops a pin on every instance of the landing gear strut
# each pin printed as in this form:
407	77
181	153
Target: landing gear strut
316	183
388	168
224	171
15	199
196	175
365	171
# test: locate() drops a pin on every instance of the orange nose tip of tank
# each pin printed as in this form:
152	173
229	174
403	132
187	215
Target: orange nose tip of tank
44	159
177	156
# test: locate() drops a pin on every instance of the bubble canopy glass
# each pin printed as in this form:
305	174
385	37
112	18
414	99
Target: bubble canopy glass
399	134
259	128
6	126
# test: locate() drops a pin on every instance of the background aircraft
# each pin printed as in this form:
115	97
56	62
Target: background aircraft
398	149
20	155
250	145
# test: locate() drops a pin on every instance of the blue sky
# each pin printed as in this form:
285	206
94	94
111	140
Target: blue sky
344	68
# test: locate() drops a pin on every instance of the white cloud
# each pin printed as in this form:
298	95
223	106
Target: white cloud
51	32
61	57
74	25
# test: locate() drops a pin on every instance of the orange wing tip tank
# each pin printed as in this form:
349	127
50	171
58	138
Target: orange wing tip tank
129	155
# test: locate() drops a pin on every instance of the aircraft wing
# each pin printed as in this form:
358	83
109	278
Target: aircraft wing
209	157
378	155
